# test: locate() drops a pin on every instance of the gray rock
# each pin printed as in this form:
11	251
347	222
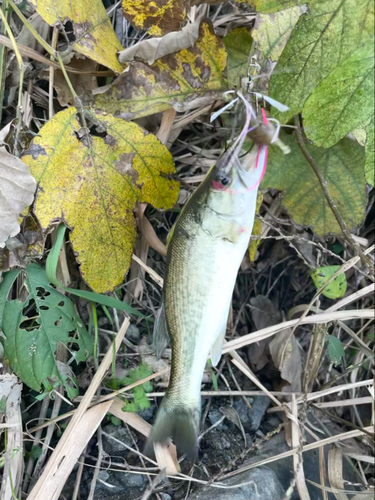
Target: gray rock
262	484
133	334
214	416
165	496
243	412
259	406
134	480
149	413
251	419
120	433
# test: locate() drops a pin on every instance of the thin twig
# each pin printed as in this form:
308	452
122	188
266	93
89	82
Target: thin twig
330	201
55	36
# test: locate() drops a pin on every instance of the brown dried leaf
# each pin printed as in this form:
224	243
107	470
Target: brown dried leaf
178	80
148	232
82	83
286	355
158	17
263	314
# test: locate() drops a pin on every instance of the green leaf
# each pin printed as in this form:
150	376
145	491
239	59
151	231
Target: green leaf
238	44
344	101
335	349
132	407
35	452
5	287
271	32
51	266
323	39
141	401
342	166
266	6
214	380
114	420
30	343
370	157
3	405
337	288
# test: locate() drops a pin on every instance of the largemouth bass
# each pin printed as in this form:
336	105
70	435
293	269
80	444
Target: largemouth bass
209	240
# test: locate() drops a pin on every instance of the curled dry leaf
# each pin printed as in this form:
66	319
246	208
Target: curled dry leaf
93	184
158	17
17	187
172	81
154	48
148	231
286	355
94	35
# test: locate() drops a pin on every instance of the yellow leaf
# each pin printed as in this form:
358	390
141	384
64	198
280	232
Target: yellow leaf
156	16
94	35
174	80
257	230
92	184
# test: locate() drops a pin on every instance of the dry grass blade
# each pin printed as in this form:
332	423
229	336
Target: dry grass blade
166	458
313	446
154	275
297	457
351	298
130	418
335	473
60	463
10	396
252	377
314	356
324	317
55	474
346	402
333	390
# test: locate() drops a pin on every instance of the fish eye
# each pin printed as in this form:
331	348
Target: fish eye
225	180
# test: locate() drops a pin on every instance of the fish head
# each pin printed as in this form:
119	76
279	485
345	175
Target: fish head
232	183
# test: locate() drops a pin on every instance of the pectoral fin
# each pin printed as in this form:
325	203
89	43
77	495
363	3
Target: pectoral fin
217	347
161	336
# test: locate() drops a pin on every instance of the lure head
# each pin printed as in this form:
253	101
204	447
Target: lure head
231	185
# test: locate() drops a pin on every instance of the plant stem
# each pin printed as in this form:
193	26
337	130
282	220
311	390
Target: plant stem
330	201
21	68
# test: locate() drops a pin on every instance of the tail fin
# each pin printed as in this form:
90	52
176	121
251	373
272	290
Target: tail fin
177	421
